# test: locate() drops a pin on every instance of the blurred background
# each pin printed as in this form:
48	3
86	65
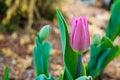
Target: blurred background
20	20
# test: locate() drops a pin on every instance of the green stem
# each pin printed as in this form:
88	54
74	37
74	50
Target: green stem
79	66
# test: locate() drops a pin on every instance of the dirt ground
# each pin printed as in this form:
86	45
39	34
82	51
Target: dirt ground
16	48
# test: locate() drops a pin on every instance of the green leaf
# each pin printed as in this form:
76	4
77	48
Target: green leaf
84	78
6	73
44	77
69	56
83	70
107	43
96	39
41	77
61	77
44	32
47	49
108	56
38	58
113	26
96	52
94	55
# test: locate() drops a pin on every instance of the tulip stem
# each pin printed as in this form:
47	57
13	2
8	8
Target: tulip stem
79	66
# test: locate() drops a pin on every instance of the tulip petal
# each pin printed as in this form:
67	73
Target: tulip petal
87	39
74	22
78	36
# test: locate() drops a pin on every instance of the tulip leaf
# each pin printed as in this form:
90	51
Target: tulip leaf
47	49
84	78
83	70
96	39
61	77
94	55
113	26
38	57
108	56
70	57
44	77
99	53
41	56
6	73
107	43
41	77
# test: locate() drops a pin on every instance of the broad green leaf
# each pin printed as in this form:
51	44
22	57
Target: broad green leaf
69	56
6	73
84	78
113	26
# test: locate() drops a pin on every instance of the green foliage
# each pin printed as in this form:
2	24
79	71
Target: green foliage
6	73
41	55
100	56
83	70
113	26
102	51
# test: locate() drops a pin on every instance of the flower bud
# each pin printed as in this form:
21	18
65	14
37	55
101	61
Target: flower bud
79	36
44	32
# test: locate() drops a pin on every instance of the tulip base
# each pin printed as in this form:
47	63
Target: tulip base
79	66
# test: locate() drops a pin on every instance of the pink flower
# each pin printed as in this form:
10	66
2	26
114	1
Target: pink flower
79	36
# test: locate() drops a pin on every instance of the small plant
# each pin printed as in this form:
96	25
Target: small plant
73	69
41	54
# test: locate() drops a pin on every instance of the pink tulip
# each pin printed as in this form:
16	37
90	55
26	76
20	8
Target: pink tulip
79	36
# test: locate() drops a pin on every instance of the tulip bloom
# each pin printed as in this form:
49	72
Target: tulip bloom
79	36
